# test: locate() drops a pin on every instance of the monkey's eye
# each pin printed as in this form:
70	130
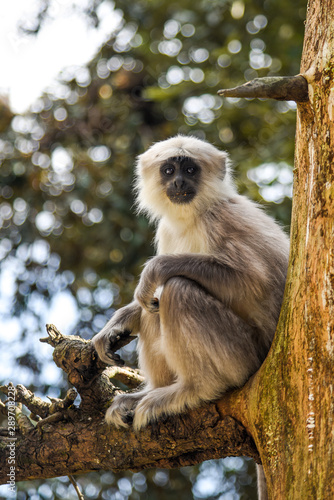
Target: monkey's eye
191	170
169	170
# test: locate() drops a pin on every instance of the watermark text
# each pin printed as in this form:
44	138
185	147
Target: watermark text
11	446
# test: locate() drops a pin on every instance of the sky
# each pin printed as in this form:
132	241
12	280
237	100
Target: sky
29	64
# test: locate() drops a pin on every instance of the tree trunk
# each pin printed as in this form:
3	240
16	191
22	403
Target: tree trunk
287	408
291	399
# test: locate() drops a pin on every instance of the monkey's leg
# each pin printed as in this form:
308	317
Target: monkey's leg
151	354
152	363
207	346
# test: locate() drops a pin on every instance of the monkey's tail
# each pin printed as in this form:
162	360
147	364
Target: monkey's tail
262	490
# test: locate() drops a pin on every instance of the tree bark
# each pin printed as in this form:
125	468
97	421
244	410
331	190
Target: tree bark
70	439
282	88
290	410
85	443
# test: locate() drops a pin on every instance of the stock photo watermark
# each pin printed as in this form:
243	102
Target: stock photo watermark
11	446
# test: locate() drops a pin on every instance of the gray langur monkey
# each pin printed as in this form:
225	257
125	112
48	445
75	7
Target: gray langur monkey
207	305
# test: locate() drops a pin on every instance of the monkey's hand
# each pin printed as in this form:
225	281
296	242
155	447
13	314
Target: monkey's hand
108	341
148	290
124	323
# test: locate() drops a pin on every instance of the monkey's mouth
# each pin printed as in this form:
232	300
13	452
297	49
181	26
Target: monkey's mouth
181	197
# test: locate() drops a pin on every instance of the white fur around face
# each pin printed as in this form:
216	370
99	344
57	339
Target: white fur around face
216	182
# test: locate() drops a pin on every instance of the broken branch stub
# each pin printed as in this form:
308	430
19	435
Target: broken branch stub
281	88
86	372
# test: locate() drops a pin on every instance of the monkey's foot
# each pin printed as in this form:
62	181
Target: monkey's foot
147	410
117	418
165	401
121	411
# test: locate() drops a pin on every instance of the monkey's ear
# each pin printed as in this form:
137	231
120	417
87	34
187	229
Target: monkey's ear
224	163
227	171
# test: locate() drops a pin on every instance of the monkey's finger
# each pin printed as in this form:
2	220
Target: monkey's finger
115	359
120	339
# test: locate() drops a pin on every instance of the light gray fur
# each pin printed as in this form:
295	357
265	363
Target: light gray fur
262	491
220	268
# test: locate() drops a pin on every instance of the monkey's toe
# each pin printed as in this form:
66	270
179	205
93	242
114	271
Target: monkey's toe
140	420
115	417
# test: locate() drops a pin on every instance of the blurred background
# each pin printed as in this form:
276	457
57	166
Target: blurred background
87	86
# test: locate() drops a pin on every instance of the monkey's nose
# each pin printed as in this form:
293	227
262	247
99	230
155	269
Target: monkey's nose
178	182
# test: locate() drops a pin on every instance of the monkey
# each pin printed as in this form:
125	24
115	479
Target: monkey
207	304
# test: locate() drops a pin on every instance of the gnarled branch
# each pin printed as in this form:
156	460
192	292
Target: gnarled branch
281	88
70	439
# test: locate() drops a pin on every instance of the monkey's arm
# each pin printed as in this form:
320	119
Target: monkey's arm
124	322
230	283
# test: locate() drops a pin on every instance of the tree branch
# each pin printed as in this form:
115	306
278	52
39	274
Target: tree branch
69	439
282	88
81	443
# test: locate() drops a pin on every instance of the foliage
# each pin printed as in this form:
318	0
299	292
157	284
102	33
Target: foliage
68	229
213	477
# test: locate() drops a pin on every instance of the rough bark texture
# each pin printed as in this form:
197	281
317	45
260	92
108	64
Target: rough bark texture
290	401
287	408
69	439
85	443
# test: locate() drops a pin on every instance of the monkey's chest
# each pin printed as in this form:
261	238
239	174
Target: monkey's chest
185	240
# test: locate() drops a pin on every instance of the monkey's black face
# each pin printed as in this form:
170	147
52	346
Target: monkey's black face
180	177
